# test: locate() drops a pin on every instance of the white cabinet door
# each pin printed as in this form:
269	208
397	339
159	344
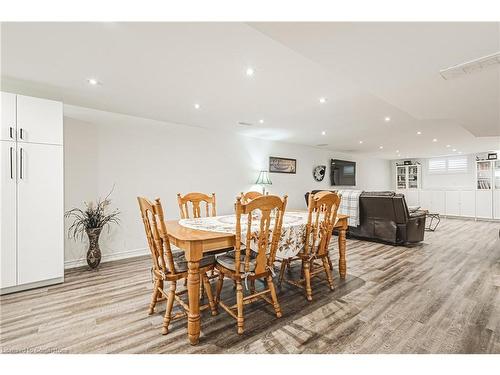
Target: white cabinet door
438	202
8	126
453	203
496	204
467	203
40	212
8	258
426	200
39	120
412	197
484	202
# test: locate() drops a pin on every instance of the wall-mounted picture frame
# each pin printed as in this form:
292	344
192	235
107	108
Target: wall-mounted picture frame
282	165
492	156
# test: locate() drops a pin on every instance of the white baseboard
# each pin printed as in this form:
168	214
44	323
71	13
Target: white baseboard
108	257
37	284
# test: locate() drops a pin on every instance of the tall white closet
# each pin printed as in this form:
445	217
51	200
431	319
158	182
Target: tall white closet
31	193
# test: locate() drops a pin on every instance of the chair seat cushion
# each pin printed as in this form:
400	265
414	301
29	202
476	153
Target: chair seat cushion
181	264
228	260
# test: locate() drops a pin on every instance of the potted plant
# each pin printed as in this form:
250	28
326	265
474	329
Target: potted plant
91	220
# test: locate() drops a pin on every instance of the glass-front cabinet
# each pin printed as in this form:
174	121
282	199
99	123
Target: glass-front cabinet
401	177
413	176
408	177
484	174
497	174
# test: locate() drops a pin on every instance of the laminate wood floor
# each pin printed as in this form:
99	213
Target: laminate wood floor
442	296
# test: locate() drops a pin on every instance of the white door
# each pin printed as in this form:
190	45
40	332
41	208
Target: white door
40	219
412	197
426	200
468	203
438	202
484	202
39	120
453	203
8	126
8	258
496	204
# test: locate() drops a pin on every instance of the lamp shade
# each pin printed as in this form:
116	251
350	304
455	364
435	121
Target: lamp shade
263	178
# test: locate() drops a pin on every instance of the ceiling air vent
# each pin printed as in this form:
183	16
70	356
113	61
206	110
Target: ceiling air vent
469	67
244	123
322	144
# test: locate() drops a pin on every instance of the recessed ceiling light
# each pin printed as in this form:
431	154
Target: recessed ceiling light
418	133
261	121
459	152
196	106
250	72
397	151
322	100
93	81
387	119
448	146
323	133
381	147
454	150
360	142
434	140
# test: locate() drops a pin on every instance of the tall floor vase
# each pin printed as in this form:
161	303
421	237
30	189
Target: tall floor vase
94	252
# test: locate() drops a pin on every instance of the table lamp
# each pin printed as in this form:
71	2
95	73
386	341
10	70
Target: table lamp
263	180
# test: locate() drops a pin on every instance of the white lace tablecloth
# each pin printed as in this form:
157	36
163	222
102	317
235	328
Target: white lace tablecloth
292	231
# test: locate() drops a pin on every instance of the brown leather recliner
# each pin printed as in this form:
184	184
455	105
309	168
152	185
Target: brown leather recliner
384	216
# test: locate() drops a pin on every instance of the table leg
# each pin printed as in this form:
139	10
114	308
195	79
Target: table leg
342	259
193	256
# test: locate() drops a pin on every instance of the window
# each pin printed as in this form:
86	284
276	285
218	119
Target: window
457	164
437	165
451	164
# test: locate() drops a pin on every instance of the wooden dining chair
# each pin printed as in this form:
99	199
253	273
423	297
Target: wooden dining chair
245	265
250	195
322	216
169	266
195	200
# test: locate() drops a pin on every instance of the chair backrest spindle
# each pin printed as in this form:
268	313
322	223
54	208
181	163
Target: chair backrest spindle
196	200
157	236
269	229
322	216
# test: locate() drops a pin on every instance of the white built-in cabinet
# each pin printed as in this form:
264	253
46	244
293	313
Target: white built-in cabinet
408	177
481	202
31	192
496	204
465	203
488	189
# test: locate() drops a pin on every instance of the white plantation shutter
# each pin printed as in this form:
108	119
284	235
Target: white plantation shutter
457	164
449	165
437	166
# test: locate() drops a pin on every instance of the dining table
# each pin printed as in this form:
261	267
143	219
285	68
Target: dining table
200	236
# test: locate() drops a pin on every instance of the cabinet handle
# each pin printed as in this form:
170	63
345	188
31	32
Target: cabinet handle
21	163
21	133
11	158
11	132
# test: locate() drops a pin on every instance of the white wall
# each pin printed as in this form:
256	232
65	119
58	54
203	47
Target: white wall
156	159
450	182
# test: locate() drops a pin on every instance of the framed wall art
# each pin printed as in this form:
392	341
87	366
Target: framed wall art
282	165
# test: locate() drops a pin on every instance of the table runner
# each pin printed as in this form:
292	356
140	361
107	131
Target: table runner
292	231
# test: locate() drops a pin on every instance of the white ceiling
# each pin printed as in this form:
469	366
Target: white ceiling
366	70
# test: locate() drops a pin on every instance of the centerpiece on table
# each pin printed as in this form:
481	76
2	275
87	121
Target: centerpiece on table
91	220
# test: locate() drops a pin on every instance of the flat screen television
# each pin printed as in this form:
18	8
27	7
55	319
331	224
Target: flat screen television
342	172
